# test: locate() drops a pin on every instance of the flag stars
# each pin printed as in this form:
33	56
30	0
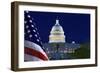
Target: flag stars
32	25
30	36
38	40
28	31
30	21
28	16
31	32
35	35
27	26
34	30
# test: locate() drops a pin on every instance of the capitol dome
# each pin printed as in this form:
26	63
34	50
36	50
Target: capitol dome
57	34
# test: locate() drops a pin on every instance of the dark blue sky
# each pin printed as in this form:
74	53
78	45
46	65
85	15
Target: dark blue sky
76	26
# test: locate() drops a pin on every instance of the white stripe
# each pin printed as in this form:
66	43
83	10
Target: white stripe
34	46
31	58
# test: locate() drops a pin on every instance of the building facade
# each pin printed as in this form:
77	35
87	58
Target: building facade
57	48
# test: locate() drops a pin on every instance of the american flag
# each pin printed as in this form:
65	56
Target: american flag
33	49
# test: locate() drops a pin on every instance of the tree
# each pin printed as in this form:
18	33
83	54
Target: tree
82	52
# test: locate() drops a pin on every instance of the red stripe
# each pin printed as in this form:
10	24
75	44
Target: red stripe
35	53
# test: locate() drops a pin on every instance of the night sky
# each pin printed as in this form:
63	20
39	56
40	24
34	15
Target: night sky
76	26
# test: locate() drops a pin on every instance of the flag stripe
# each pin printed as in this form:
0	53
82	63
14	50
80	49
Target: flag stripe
35	53
34	46
31	58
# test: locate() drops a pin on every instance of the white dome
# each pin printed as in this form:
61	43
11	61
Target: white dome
57	29
57	33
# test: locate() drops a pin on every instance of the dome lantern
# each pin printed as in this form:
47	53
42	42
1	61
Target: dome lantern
57	22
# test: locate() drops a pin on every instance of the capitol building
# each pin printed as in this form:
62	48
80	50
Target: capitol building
57	48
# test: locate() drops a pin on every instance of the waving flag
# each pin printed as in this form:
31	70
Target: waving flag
33	48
